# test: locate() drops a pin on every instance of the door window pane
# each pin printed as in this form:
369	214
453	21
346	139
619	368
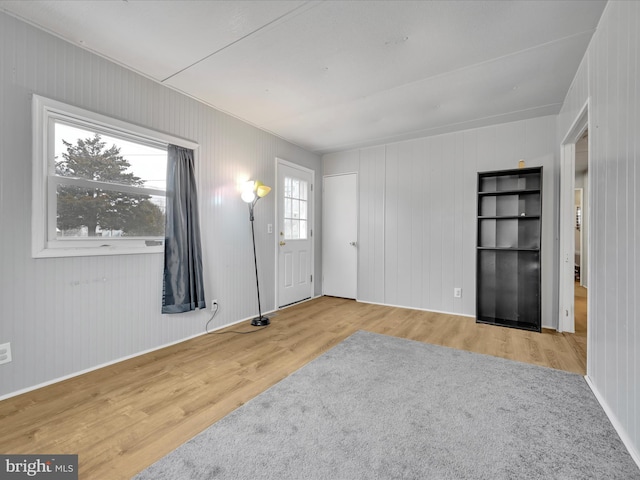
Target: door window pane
295	208
287	208
303	210
287	187
295	188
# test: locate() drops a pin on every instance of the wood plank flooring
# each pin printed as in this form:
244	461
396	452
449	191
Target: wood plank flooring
580	315
124	417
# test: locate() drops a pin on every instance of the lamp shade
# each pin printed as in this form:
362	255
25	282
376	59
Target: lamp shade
248	191
253	189
248	196
263	191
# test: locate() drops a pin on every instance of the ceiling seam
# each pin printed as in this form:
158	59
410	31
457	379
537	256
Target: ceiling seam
491	60
436	76
155	80
475	65
390	138
262	27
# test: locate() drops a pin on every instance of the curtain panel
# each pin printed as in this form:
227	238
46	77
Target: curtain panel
183	288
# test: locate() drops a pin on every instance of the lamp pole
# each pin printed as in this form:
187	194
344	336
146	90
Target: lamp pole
259	321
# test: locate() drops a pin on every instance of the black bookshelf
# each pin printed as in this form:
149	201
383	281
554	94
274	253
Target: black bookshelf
509	226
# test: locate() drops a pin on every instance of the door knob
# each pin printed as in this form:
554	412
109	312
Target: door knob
282	244
353	244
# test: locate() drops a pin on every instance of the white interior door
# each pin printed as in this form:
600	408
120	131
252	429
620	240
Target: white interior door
295	230
339	236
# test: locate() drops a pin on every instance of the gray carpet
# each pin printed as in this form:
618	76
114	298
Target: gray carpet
379	407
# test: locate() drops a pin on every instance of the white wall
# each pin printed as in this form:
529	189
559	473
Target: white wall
66	315
608	78
417	217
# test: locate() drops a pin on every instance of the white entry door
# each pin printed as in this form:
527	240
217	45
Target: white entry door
295	230
339	236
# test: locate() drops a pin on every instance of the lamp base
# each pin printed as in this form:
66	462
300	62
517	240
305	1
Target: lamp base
260	321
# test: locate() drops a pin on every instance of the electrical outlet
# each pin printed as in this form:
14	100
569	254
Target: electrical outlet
5	353
457	292
214	304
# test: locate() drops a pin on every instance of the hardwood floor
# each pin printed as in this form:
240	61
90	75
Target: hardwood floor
124	417
579	339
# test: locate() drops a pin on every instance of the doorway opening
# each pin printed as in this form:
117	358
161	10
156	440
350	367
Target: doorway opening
574	233
581	250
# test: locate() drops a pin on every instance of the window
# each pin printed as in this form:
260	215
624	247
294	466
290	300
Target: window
295	209
98	185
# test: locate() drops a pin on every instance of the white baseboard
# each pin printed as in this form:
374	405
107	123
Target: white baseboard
434	311
622	433
118	360
296	303
416	308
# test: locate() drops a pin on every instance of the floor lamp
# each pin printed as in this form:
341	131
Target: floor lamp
253	192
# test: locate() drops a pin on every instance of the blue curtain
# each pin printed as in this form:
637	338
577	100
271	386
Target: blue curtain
183	288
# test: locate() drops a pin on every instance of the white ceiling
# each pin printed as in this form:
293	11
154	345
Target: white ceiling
335	75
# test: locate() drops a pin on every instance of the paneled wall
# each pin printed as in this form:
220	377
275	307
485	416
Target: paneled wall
66	315
575	100
608	77
418	207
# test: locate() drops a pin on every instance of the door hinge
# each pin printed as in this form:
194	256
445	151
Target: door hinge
312	187
311	278
311	232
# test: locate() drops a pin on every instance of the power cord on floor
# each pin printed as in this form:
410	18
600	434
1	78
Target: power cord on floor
215	312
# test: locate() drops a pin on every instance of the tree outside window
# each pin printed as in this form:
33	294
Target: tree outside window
103	210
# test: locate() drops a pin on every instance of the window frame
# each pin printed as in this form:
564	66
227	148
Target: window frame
300	201
45	244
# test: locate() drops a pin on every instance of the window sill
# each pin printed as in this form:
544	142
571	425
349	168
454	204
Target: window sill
76	251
